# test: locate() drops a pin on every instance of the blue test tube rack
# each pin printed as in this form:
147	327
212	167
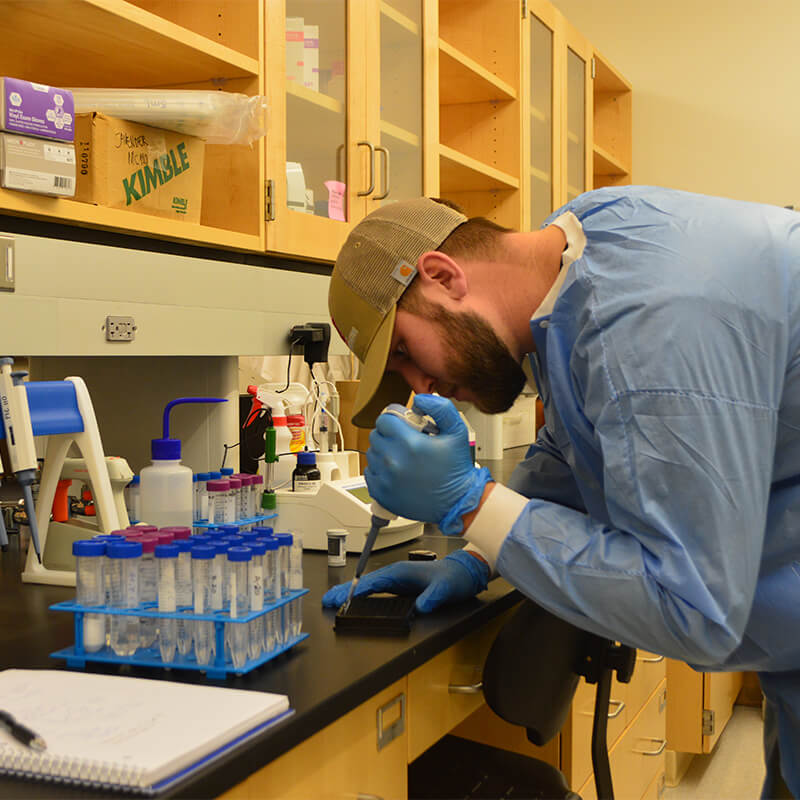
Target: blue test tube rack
204	523
77	657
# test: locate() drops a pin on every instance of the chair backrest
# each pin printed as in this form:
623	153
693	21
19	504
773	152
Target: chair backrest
531	673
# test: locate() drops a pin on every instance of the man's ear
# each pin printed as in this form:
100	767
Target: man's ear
440	273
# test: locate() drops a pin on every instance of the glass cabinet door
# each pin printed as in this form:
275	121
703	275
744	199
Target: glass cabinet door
576	124
316	108
398	157
541	122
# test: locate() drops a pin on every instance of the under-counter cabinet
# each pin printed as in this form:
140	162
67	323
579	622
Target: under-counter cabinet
142	44
354	134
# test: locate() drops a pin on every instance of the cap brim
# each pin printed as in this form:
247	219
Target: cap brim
377	388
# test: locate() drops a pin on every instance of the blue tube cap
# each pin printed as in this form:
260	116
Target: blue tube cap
258	548
239	554
264	530
203	552
88	547
228	530
124	549
284	538
270	541
166	551
183	545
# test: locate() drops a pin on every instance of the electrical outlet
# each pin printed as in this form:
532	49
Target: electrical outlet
7	266
120	329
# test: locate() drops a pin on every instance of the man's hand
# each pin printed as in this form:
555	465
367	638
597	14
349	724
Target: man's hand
422	477
455	578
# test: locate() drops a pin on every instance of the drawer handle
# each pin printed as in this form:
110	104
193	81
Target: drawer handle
662	744
368	797
656	660
468	688
390	733
620	704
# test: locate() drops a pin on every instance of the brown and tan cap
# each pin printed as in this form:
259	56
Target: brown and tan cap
374	267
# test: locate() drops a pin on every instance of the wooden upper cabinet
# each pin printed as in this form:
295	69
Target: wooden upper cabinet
142	44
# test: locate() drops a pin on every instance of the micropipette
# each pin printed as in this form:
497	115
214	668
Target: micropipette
19	439
381	516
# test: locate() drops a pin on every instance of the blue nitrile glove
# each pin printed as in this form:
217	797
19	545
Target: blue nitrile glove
458	576
422	477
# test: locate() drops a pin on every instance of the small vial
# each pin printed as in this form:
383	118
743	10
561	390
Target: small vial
217	587
183	593
272	577
90	557
148	589
238	561
132	499
202	496
244	499
295	607
337	547
236	492
115	536
282	617
167	559
202	562
256	581
219	502
124	559
256	488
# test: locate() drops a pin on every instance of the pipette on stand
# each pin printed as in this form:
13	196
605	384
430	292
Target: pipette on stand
380	516
19	439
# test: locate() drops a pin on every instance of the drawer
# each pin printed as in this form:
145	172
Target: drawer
578	730
434	709
638	759
650	670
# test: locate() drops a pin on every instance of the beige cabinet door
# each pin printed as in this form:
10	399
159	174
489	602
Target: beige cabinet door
699	706
363	754
317	172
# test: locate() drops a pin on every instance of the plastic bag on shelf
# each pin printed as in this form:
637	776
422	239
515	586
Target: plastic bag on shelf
217	117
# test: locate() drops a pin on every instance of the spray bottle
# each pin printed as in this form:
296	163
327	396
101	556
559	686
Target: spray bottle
166	485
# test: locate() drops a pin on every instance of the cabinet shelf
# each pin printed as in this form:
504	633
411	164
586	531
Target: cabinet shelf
399	18
460	173
318	99
401	134
607	164
464	80
110	42
114	219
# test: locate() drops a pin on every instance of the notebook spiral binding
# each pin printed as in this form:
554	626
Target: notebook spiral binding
28	764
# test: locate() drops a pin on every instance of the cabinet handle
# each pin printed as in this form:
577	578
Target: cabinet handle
662	744
387	173
656	660
371	187
391	732
467	688
620	704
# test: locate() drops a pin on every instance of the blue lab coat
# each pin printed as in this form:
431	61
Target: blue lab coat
666	482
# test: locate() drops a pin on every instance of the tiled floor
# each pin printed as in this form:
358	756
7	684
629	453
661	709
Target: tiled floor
734	771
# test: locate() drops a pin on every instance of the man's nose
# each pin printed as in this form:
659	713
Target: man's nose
417	379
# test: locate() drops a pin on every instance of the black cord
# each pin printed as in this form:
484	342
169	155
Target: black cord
225	455
289	367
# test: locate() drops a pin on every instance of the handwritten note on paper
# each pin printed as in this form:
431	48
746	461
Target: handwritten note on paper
336	195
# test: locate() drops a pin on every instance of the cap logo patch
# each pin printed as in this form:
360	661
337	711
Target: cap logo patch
404	272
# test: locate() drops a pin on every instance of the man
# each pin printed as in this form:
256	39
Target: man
660	505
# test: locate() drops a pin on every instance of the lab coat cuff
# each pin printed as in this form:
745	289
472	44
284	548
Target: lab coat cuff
494	521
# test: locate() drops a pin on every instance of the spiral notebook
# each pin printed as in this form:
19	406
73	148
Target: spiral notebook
126	733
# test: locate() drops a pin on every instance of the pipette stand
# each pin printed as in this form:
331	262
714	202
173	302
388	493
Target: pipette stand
63	411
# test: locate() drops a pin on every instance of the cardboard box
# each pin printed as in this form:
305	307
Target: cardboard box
37	165
126	165
34	109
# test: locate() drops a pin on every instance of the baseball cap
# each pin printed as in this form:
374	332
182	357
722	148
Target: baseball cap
376	264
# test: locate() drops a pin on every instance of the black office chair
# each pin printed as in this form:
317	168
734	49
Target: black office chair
529	679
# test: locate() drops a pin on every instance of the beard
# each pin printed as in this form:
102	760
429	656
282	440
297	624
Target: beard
478	360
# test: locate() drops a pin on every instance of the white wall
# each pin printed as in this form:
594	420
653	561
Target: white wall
716	101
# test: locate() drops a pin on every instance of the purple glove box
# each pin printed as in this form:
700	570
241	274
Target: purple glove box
36	110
